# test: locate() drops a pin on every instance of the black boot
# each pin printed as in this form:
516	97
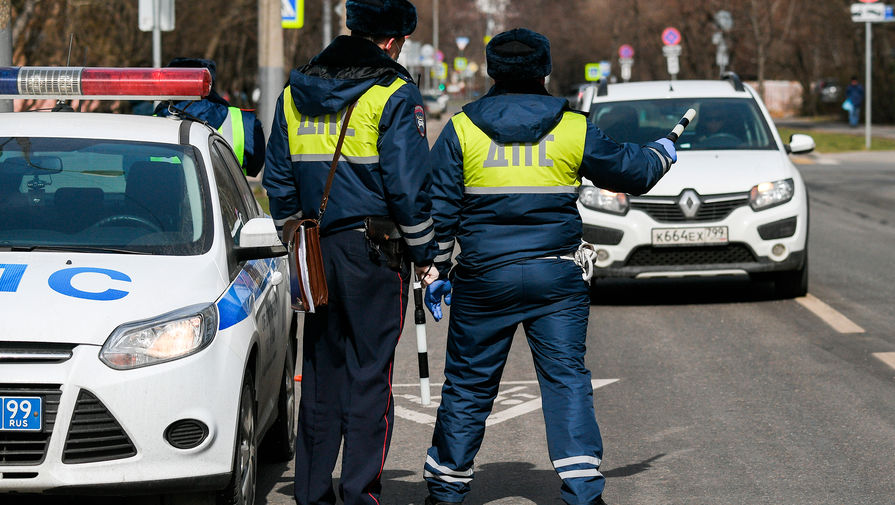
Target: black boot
433	501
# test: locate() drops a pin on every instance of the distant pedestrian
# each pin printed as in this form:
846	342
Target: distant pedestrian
854	94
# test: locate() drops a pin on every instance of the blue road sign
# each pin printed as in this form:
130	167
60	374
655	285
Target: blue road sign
292	13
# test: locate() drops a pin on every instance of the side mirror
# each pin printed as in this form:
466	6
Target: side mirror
258	240
800	144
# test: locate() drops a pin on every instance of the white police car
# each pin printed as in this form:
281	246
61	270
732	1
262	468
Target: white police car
146	331
733	204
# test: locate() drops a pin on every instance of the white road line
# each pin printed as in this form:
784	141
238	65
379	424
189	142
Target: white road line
829	315
886	357
495	417
532	405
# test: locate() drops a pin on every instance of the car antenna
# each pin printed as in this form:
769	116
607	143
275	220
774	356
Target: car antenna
671	86
63	105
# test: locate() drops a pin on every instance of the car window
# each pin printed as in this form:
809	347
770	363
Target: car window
720	123
90	194
236	174
234	210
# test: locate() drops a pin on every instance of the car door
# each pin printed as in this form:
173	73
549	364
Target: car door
238	206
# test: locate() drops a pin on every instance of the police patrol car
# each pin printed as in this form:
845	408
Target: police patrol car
733	204
146	331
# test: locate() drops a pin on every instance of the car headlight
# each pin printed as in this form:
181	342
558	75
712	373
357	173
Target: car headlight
770	194
165	338
603	200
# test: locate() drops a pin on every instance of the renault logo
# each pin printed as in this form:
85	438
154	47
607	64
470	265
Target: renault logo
689	203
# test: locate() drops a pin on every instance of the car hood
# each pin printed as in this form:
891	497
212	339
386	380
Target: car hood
82	298
714	172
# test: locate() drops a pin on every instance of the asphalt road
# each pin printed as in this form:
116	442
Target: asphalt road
707	392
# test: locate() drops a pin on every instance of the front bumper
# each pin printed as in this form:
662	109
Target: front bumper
627	251
143	402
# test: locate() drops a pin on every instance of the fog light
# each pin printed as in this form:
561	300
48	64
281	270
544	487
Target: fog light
186	433
602	255
778	250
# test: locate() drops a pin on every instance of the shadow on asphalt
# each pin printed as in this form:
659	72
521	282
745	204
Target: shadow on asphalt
686	291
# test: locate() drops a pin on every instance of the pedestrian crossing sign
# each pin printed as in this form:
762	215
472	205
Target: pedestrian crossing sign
292	13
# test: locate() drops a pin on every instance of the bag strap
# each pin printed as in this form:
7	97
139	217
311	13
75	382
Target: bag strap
335	163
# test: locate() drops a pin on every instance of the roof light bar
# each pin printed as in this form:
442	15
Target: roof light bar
98	83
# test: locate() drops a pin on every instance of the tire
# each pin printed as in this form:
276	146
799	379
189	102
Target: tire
792	284
279	442
241	490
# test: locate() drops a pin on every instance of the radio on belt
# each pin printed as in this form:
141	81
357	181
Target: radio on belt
104	83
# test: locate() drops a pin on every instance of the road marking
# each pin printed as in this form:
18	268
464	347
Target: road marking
521	402
829	315
886	357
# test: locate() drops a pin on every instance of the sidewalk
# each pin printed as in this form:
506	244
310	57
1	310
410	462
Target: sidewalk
876	130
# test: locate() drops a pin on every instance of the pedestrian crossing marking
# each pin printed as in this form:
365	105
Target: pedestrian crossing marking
514	399
886	357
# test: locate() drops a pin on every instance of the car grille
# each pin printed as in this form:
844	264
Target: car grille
94	434
30	448
667	210
18	352
675	256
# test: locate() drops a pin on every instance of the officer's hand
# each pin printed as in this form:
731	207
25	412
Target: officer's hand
434	293
669	148
426	274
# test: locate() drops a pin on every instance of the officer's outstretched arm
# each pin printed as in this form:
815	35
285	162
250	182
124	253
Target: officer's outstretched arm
626	167
278	180
446	163
403	149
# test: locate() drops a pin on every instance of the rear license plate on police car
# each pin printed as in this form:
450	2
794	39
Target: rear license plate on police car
21	413
703	235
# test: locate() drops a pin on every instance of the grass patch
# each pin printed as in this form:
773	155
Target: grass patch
261	196
839	142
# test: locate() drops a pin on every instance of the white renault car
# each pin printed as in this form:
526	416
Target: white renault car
733	204
146	330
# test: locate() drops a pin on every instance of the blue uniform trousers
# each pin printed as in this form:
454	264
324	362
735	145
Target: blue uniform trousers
349	349
551	301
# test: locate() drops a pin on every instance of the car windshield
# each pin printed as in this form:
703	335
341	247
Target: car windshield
101	196
720	123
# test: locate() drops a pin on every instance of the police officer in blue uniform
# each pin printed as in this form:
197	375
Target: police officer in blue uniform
349	345
506	173
241	128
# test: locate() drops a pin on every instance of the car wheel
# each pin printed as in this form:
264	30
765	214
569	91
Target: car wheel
792	284
279	443
241	490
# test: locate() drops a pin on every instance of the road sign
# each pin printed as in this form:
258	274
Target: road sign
671	51
439	56
592	72
440	70
427	55
292	13
462	42
868	13
671	36
626	64
460	63
625	52
724	20
146	15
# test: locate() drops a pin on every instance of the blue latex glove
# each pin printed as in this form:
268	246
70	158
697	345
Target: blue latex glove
669	147
434	293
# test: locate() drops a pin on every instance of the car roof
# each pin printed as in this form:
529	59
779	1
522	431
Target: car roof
90	125
648	90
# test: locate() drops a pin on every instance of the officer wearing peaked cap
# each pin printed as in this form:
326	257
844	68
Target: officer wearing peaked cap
349	346
506	173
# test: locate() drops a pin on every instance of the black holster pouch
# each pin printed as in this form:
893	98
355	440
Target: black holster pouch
384	236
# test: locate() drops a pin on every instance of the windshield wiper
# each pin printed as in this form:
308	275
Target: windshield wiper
68	248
